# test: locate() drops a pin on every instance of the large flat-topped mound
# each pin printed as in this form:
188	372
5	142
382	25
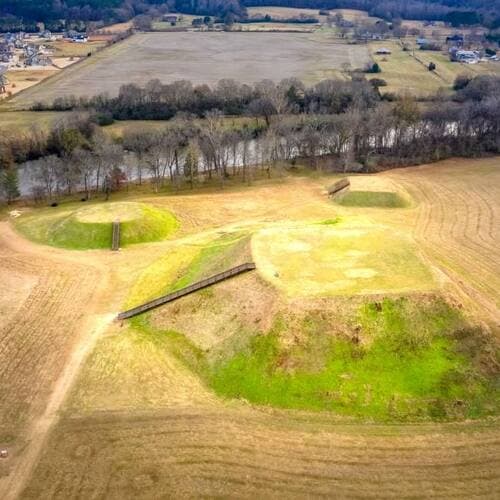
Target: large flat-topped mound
343	259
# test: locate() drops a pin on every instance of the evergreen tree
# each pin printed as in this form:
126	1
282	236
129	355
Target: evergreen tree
9	184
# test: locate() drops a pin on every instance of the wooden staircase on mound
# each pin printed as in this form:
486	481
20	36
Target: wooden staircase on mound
115	242
242	268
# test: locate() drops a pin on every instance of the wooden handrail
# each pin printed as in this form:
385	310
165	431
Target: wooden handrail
242	268
338	186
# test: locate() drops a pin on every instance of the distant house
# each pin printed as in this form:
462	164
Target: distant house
422	41
80	39
170	18
76	37
34	56
456	40
6	52
464	56
345	23
38	60
3	79
383	51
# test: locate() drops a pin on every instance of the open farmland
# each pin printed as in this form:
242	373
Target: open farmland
288	12
284	12
62	48
457	224
152	407
406	72
19	80
201	58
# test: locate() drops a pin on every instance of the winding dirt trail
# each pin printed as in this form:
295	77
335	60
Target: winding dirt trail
43	345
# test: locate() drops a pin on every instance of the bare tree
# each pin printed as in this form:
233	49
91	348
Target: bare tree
47	172
108	159
85	162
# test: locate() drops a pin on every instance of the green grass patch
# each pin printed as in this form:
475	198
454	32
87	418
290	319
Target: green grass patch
183	266
408	368
378	199
91	227
405	359
330	222
176	343
214	258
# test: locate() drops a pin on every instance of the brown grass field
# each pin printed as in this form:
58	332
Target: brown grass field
201	58
89	409
287	12
117	28
283	12
63	48
24	79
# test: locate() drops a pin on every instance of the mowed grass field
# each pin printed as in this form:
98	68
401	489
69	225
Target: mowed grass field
338	259
407	74
14	122
63	48
22	80
173	402
288	12
284	12
201	58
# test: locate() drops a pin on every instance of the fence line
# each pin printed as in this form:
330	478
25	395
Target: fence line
242	268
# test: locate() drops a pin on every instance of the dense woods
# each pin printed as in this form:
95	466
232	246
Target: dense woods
17	15
334	125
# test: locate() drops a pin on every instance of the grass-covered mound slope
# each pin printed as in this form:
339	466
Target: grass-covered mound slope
403	360
394	359
183	266
91	227
377	199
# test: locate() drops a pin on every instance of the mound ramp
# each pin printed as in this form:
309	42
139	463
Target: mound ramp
234	271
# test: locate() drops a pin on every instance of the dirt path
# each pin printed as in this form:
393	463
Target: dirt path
40	428
190	442
43	346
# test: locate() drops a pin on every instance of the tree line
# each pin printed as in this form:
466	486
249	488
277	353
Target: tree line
158	101
337	130
23	15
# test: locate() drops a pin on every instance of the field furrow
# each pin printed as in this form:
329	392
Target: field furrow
237	452
457	221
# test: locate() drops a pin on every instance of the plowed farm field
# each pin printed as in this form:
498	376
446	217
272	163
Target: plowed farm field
92	408
457	224
200	58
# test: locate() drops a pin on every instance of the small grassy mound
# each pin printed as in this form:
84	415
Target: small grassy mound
91	227
404	362
377	199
